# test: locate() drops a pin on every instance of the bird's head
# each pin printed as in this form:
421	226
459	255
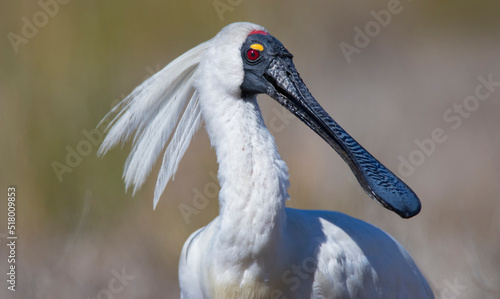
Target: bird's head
240	59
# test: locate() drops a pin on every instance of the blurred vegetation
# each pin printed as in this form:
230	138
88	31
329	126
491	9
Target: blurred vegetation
74	232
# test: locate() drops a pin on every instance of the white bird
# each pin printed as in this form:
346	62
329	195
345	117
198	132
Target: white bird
256	247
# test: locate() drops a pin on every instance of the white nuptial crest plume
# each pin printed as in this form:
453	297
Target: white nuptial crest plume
152	111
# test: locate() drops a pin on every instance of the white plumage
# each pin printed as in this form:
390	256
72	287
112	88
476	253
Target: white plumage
256	247
152	111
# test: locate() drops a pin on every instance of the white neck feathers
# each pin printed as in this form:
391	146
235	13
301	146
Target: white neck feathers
252	175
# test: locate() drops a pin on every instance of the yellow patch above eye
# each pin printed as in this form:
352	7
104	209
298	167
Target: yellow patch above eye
257	47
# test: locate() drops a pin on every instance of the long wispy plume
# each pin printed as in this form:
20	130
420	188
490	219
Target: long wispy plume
151	113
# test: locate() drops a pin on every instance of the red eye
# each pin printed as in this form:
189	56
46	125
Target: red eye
253	54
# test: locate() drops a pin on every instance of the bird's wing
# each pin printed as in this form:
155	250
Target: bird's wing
355	259
193	260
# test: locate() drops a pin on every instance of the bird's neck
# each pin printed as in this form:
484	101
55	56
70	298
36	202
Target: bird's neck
252	176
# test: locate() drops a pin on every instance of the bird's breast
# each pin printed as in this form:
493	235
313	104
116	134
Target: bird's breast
246	290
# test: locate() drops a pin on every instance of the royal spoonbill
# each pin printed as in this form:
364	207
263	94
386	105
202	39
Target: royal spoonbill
256	247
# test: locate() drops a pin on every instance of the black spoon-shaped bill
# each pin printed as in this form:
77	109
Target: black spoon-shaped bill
379	183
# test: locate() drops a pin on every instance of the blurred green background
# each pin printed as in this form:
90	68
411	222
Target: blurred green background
79	231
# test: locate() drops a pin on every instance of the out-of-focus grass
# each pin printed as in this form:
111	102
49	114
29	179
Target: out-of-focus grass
74	233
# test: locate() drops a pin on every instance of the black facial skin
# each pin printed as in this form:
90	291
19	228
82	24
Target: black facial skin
254	81
274	74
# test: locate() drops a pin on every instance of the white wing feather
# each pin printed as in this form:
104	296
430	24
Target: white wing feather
152	111
188	125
